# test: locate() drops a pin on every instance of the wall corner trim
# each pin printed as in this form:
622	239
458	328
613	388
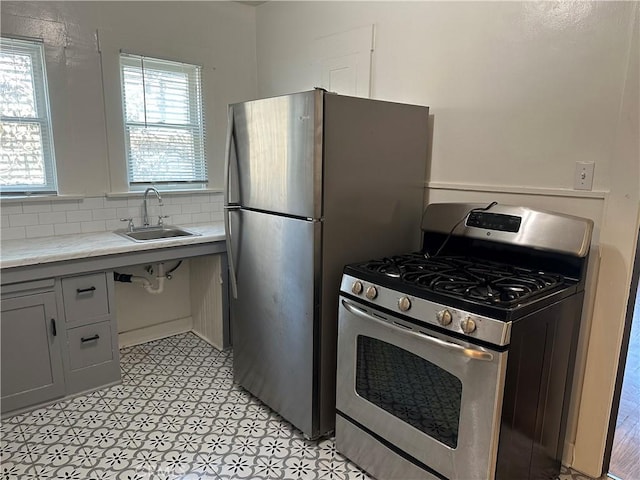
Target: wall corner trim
517	189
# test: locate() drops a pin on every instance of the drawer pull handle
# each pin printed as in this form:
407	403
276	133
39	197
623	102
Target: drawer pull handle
90	339
54	330
85	290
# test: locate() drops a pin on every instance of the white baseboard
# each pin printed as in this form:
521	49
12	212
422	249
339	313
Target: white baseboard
567	454
208	340
154	332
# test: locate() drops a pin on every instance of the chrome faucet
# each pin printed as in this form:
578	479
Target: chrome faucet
145	213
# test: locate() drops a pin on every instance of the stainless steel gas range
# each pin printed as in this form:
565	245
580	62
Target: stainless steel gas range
455	362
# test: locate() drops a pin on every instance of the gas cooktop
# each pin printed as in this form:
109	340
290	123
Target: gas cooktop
466	281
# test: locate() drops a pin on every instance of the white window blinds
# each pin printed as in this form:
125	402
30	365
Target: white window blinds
27	162
163	119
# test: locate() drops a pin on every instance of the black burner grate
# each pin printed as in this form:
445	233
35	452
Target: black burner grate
467	278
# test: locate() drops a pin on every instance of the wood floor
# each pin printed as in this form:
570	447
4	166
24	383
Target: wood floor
625	457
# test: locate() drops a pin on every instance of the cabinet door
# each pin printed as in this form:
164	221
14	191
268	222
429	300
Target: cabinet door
31	360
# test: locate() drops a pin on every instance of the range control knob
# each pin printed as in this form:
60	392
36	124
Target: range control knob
444	317
371	292
468	325
404	304
357	287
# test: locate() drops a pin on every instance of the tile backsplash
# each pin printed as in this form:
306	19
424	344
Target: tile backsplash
32	218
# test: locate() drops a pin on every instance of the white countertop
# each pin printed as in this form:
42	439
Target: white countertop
34	251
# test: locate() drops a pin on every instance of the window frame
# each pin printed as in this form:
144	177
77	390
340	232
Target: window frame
195	115
35	49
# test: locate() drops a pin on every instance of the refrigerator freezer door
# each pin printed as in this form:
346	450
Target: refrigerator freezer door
277	143
273	317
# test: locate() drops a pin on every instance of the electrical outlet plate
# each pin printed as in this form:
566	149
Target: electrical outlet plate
583	179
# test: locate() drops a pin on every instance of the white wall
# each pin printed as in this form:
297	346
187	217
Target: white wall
142	316
618	245
519	92
82	42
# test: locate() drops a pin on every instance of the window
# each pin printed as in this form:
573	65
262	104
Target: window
163	120
26	141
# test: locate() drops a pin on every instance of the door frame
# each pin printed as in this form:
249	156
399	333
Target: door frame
622	360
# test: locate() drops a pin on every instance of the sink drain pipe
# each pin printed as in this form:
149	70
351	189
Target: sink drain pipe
148	286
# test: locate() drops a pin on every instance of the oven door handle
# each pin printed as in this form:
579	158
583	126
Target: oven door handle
467	352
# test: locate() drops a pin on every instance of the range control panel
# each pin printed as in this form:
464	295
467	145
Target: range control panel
385	302
494	221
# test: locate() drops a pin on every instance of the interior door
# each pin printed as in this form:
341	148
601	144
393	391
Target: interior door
273	316
345	61
278	150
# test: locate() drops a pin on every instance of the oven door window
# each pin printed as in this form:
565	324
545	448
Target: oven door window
410	388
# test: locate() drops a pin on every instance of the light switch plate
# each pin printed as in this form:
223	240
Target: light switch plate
583	179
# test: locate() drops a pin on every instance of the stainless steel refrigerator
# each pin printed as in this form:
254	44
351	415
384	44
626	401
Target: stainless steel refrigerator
314	180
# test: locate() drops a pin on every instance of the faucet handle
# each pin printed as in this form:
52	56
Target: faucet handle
130	225
161	219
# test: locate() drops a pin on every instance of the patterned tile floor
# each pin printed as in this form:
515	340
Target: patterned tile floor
176	416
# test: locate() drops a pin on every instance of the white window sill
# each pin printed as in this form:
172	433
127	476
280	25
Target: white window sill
139	193
8	199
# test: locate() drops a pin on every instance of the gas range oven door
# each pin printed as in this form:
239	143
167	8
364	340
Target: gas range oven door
433	399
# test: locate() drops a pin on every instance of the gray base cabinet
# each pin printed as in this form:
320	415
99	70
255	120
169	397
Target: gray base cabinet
59	337
92	355
31	365
38	366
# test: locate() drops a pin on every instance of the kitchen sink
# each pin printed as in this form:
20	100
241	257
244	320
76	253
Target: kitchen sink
146	234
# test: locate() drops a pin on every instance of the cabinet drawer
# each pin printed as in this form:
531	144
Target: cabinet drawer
85	298
90	345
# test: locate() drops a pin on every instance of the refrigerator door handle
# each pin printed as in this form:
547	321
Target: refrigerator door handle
227	160
232	265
